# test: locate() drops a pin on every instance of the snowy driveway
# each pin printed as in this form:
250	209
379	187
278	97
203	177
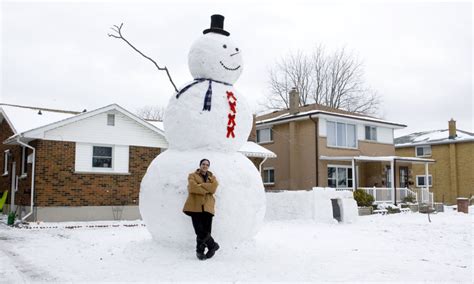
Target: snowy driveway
401	247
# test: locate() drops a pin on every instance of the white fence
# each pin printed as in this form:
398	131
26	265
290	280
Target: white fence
385	195
425	196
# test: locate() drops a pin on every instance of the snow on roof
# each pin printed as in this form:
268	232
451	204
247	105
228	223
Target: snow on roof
157	124
433	137
288	116
23	119
252	149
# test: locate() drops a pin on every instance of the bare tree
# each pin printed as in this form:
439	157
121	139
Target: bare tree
335	80
151	112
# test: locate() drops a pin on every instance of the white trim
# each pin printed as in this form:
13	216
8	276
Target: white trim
8	120
347	175
424	155
286	117
345	124
430	177
376	158
266	141
102	169
5	162
370	132
263	177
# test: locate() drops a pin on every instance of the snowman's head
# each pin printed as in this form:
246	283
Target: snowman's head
215	56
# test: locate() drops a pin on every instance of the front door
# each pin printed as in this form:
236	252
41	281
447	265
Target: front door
403	177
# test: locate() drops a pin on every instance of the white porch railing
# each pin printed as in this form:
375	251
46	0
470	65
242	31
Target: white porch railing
425	195
385	195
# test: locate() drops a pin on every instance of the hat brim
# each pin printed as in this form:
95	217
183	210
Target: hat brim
217	31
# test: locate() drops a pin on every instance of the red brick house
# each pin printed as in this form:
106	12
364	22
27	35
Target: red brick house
63	165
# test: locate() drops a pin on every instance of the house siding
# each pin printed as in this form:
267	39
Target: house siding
452	173
57	183
95	130
384	134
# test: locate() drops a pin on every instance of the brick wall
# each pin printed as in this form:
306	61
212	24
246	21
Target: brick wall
22	196
58	185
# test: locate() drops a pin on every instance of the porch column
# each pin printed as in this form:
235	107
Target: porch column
354	176
392	168
427	184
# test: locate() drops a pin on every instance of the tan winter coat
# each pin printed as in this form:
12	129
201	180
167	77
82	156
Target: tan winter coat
200	196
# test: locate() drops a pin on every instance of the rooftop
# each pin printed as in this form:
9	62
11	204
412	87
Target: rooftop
432	137
24	118
307	110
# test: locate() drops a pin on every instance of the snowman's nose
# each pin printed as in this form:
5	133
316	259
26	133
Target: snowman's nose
234	53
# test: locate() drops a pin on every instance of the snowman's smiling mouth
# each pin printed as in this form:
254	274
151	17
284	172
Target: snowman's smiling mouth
229	68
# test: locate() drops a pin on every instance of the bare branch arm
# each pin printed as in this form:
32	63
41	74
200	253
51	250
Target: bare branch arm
118	31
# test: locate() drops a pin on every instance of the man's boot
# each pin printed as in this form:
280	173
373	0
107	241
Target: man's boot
212	247
200	247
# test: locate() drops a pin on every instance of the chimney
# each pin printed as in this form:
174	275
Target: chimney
294	101
452	129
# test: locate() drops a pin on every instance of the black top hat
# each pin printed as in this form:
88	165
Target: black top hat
217	26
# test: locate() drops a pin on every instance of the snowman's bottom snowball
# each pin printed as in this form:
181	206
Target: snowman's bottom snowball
240	197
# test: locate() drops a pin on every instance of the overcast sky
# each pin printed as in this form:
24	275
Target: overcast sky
417	56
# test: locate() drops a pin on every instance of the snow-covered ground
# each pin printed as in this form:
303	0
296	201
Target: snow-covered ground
399	247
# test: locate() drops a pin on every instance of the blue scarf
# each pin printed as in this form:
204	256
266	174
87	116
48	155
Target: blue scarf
208	97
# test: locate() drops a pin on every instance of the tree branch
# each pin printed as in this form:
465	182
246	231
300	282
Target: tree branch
118	31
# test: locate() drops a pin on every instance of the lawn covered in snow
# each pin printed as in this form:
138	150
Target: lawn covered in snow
399	247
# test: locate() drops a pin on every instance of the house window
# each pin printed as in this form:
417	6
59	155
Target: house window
101	157
264	135
420	181
340	177
341	134
370	133
6	154
24	161
423	151
111	119
268	176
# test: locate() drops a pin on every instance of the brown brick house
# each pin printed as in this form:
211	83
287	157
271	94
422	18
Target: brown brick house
64	165
452	175
318	146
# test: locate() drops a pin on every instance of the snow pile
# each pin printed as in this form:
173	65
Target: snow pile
315	204
387	206
323	207
289	205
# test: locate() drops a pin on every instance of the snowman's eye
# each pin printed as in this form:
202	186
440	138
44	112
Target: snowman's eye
236	49
224	46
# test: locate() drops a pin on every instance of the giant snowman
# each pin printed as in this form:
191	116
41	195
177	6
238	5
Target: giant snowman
207	118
